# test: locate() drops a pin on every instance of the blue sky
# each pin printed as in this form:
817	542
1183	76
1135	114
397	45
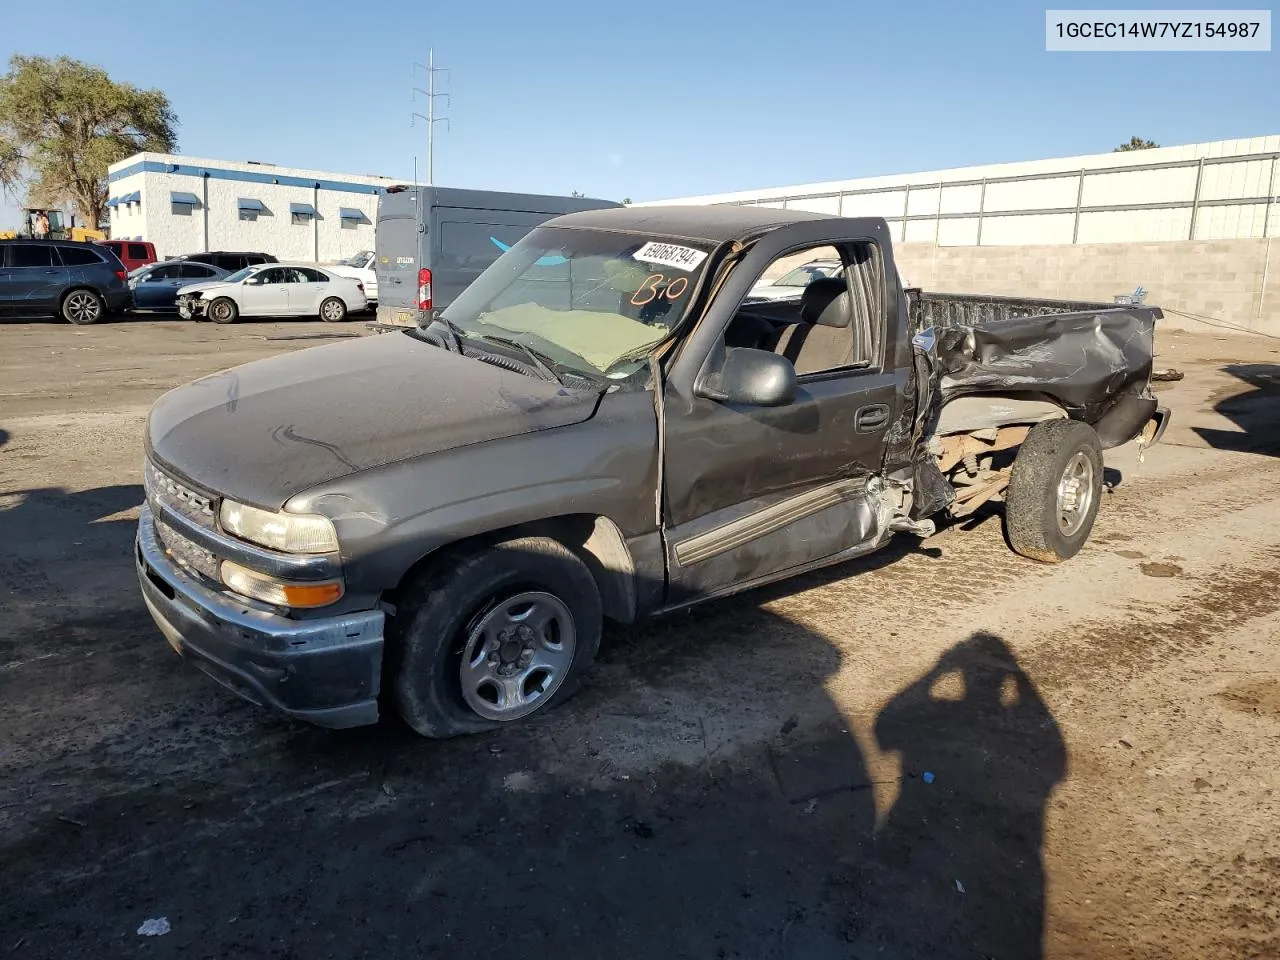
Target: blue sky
649	100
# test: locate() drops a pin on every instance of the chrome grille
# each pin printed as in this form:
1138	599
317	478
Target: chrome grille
163	491
185	553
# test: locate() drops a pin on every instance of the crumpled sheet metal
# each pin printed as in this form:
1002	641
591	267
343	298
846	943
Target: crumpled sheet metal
1086	361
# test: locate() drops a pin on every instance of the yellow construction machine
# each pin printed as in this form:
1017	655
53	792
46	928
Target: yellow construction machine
59	227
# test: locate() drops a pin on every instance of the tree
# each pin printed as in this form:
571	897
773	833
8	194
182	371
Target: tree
63	122
1135	143
577	193
626	201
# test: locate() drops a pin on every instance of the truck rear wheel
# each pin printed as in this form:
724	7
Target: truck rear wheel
492	635
1054	491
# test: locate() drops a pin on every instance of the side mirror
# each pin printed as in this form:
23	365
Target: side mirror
755	377
253	281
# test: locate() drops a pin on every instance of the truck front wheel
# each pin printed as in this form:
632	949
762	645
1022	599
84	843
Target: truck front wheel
1054	491
492	635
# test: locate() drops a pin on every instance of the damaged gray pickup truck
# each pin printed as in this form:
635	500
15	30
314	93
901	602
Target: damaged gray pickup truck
605	425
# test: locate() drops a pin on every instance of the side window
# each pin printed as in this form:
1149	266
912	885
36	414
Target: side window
298	276
820	307
273	276
194	271
78	256
137	251
171	272
30	255
313	276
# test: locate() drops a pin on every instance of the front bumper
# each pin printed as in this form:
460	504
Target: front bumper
189	307
324	671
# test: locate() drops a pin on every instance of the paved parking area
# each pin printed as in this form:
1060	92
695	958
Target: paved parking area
944	750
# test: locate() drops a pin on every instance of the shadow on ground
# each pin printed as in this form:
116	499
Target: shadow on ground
1256	412
375	843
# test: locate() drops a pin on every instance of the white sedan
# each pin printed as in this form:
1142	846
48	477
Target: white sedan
360	267
274	290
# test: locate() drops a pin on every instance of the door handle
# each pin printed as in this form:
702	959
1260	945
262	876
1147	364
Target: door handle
872	418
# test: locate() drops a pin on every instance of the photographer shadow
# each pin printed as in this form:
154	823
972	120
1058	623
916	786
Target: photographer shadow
956	867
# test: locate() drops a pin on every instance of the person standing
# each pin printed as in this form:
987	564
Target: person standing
41	225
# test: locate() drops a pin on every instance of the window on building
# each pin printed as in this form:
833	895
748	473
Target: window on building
182	209
248	214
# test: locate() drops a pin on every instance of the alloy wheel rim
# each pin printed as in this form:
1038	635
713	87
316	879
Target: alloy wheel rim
83	306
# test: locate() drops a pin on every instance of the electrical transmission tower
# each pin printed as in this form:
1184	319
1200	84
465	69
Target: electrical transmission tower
430	119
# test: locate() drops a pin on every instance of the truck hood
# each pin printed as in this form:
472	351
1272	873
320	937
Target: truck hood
206	287
264	431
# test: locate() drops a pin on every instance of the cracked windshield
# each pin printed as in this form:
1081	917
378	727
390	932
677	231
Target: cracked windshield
595	301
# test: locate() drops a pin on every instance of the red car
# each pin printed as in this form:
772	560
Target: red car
132	253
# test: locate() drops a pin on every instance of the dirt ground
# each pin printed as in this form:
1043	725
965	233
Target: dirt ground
943	750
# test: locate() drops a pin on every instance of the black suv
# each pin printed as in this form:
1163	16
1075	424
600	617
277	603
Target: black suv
229	260
81	282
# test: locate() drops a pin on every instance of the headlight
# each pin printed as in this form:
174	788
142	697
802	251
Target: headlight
287	532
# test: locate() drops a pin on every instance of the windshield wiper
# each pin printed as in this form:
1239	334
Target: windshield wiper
541	362
455	332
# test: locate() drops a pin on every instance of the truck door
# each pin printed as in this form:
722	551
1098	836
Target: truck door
751	492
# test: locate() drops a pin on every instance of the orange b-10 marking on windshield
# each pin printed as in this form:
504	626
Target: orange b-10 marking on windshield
651	284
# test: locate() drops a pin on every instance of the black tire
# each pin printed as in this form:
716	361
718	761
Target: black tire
435	615
333	310
223	310
1032	504
82	307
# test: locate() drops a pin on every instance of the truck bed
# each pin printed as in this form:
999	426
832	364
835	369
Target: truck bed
1092	359
928	309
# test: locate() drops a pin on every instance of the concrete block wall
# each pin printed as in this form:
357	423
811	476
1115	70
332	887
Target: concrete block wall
1235	185
1233	284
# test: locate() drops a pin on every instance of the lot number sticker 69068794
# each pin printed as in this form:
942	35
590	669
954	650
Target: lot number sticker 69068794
670	255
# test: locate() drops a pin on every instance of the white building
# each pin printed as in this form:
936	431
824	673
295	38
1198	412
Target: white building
1225	189
190	204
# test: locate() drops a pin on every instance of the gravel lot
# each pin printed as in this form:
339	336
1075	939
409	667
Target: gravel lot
943	750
